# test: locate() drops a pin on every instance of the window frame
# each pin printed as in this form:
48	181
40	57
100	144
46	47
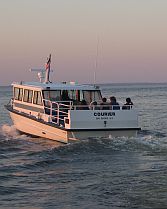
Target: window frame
88	95
37	95
28	98
19	96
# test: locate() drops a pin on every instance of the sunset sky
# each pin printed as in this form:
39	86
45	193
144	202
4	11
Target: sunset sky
131	37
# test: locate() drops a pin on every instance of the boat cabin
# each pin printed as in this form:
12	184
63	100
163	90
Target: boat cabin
53	99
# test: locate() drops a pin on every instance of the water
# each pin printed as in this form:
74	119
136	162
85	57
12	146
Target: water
94	174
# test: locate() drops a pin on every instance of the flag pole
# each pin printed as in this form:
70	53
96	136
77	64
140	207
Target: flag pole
47	68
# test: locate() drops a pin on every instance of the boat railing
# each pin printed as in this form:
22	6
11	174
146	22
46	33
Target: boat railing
102	107
11	102
57	110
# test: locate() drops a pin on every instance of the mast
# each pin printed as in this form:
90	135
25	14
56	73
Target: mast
47	68
96	60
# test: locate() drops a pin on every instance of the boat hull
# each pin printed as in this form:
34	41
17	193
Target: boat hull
101	134
38	128
33	127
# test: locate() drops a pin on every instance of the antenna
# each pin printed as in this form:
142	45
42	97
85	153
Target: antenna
96	60
94	78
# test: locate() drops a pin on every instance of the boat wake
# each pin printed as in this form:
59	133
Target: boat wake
10	132
142	143
9	135
146	140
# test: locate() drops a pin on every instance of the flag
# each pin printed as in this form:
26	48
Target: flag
47	65
47	68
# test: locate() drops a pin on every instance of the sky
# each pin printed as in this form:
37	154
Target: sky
121	40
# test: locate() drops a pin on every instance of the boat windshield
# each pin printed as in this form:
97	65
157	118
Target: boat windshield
72	95
93	95
52	95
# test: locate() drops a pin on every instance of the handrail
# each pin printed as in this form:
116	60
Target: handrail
57	110
11	102
103	107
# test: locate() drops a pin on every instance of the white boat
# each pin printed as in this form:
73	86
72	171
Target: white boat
55	111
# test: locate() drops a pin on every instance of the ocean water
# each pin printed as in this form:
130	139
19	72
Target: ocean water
111	173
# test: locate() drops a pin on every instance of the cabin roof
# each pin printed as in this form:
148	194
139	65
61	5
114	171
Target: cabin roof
54	86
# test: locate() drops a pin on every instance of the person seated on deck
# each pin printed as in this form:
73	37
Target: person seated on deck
64	104
104	105
93	105
84	105
64	96
114	104
128	104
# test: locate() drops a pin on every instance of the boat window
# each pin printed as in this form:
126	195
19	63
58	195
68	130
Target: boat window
70	95
18	93
27	95
92	95
25	99
74	95
37	98
30	93
52	95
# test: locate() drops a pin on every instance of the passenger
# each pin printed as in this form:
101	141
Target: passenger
64	104
114	104
93	105
104	105
77	105
84	105
128	104
64	96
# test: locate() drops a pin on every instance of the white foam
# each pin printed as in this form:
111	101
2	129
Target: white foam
10	132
